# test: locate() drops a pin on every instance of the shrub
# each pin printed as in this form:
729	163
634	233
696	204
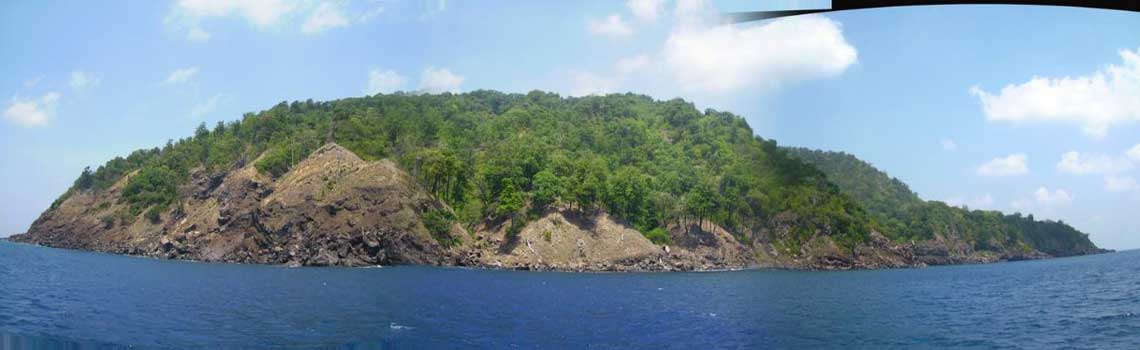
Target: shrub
275	163
154	214
438	223
151	186
659	236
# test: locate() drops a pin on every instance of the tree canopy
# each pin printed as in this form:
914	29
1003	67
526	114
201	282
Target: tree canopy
904	216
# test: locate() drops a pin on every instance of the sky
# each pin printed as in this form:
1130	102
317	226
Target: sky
1028	109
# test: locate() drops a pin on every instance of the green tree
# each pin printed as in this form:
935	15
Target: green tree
547	189
511	201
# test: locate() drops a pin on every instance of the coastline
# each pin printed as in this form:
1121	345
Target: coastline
604	268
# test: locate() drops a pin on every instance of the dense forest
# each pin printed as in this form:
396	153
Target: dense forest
653	164
904	216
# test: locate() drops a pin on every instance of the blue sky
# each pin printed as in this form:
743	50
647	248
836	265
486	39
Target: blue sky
1016	108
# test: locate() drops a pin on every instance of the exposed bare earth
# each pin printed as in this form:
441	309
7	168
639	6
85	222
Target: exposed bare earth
336	209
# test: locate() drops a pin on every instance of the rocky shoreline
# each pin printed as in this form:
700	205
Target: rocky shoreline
663	262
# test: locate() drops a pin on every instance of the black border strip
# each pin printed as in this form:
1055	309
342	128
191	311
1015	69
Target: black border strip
844	5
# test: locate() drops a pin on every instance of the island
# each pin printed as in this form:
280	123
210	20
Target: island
532	181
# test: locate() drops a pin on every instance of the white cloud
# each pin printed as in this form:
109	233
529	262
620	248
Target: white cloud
261	13
949	145
310	17
612	26
188	15
693	10
32	112
717	58
1044	199
1058	197
440	80
631	64
1014	164
205	107
1095	102
1134	152
80	79
384	81
326	16
702	54
1120	183
585	83
645	10
182	75
1074	163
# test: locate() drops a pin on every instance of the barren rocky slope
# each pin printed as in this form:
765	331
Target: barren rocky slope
331	209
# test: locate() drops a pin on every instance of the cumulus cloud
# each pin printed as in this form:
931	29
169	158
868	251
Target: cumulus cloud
187	14
182	75
1057	197
611	26
383	81
326	16
1120	183
310	17
646	10
32	112
259	12
80	79
435	80
1013	164
949	145
714	57
1074	162
702	54
1042	198
1095	102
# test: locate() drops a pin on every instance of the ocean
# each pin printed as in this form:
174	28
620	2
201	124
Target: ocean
54	298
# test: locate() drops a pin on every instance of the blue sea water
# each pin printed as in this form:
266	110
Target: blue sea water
52	298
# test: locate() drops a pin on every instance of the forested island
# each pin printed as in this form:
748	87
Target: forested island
528	181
